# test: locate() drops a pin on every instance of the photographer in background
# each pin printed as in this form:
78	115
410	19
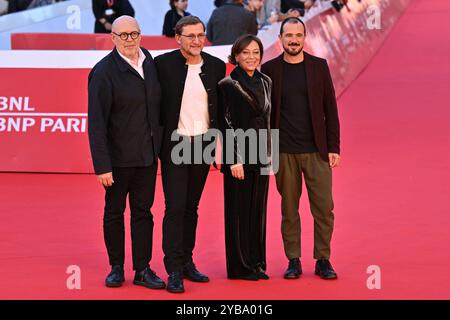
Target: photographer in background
106	11
177	11
298	5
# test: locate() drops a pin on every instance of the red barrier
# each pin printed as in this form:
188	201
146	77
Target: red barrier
82	41
53	41
43	125
43	111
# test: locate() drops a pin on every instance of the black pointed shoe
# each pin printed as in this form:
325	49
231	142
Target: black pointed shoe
261	273
116	277
148	278
190	272
175	283
325	270
294	269
250	276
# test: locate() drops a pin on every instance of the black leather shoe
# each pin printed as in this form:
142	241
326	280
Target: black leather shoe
261	274
148	279
294	269
325	270
190	272
116	277
175	283
251	277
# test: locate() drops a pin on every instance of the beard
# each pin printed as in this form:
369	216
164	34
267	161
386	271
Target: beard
294	51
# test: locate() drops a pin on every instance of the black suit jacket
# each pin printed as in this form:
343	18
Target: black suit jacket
172	72
123	114
322	101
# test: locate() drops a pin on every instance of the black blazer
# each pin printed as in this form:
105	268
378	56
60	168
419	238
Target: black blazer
240	108
172	72
322	101
123	114
120	7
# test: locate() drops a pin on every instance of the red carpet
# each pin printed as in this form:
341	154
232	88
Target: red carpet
391	198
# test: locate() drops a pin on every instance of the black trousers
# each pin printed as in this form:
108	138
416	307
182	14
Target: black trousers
183	186
245	222
139	184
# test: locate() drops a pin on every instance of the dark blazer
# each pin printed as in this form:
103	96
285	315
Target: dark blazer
170	21
120	7
172	72
240	108
123	114
322	101
229	22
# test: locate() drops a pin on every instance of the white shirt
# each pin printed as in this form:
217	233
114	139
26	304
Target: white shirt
139	67
194	114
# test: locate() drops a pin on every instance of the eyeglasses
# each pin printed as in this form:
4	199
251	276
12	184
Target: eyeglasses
192	37
124	35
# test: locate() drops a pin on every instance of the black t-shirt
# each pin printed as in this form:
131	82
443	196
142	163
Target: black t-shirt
296	132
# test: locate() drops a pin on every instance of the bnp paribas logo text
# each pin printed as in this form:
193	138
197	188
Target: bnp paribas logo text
18	114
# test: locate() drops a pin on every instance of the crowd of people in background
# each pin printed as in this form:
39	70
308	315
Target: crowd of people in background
232	18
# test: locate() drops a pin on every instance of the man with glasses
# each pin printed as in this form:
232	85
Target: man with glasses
125	136
188	78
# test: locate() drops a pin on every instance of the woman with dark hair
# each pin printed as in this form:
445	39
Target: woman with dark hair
244	103
177	11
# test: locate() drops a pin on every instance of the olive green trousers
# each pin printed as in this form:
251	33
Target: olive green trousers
318	180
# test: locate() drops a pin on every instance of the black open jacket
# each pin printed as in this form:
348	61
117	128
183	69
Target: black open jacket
244	103
123	114
172	72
